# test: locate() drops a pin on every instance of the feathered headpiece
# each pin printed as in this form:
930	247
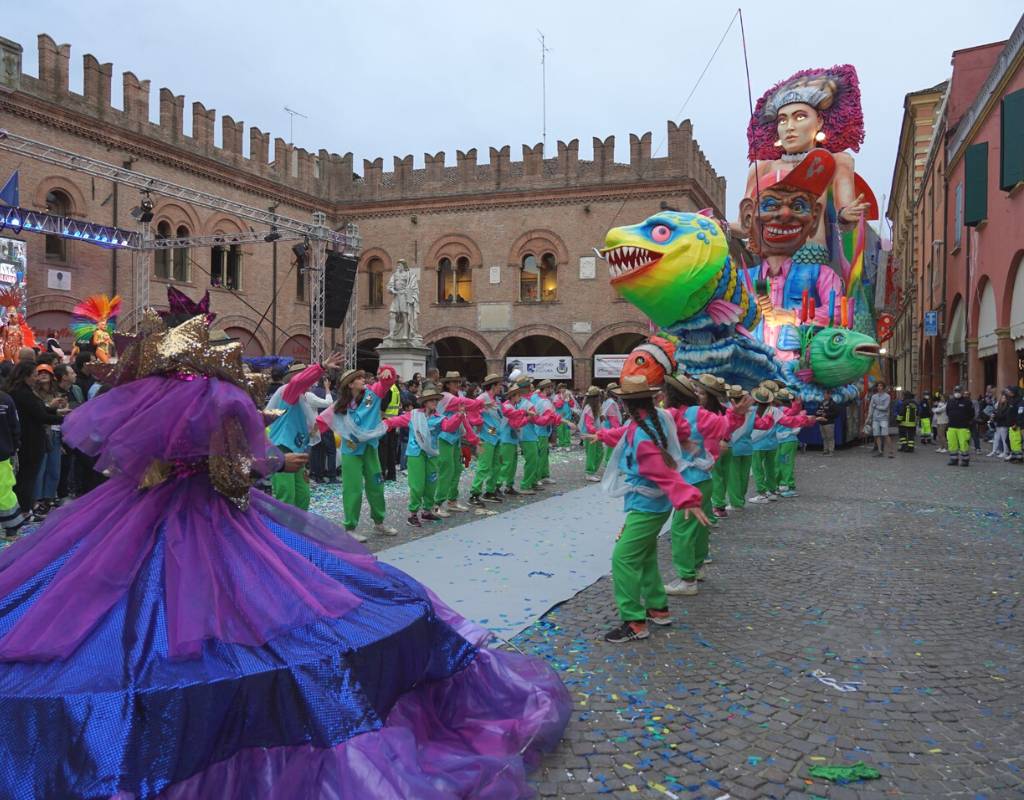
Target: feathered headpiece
11	298
834	92
93	312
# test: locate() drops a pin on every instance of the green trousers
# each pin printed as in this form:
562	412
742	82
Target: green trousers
486	477
739	477
291	488
543	457
530	458
720	478
607	454
636	579
422	472
595	456
359	473
449	470
690	537
564	435
785	464
958	440
508	452
766	477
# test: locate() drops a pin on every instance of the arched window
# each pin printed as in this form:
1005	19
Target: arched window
375	282
180	259
59	204
454	281
226	266
538	280
162	258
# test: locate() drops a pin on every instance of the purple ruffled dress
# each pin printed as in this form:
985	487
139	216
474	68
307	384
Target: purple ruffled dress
174	642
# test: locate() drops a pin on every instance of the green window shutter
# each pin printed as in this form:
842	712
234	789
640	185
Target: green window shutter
1011	150
976	190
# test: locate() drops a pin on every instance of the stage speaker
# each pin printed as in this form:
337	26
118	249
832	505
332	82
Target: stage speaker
339	283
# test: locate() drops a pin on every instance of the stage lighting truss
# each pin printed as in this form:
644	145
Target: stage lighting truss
23	219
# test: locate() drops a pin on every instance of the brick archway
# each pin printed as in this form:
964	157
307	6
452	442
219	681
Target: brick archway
607	332
64	184
176	213
536	241
375	252
225	223
247	325
461	333
453	246
538	330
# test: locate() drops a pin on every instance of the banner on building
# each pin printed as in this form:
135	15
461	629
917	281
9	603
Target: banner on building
609	366
931	323
556	368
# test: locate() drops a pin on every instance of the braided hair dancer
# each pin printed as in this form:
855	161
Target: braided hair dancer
645	470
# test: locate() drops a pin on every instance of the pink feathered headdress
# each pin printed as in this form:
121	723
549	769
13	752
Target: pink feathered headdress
835	92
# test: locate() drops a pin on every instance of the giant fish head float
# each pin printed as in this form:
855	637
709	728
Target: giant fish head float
669	265
837	356
652	360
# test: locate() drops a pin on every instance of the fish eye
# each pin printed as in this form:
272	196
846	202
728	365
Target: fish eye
641	361
839	338
661	233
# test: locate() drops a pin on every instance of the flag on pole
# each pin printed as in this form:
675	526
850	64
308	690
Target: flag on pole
9	194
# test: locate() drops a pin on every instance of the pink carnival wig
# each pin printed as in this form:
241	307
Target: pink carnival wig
843	119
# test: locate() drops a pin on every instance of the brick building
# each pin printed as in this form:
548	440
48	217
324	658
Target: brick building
505	248
957	233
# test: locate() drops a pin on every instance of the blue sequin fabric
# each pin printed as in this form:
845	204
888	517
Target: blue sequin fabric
120	715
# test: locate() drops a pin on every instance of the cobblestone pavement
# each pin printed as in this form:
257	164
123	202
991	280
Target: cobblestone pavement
566	470
871	619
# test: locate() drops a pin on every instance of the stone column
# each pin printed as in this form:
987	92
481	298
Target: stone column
975	373
1006	359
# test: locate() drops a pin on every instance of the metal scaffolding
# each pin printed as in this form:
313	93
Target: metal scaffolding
142	242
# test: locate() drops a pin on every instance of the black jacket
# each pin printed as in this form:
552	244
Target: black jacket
10	427
34	417
829	410
960	412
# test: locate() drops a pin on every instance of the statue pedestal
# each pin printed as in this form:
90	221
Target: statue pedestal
407	357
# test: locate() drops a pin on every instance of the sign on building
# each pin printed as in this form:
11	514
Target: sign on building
557	368
609	366
931	323
588	268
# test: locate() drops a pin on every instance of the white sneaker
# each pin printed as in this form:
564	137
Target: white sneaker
458	506
593	479
485	512
681	588
357	536
989	455
758	498
549	481
384	530
941	450
442	510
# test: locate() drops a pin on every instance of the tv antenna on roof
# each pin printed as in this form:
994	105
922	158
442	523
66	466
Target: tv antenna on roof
544	50
291	123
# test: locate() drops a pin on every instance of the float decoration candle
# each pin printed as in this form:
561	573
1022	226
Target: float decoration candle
842	311
853	301
803	306
810	311
831	307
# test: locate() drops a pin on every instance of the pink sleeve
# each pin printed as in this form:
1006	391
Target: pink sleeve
455	403
611	436
469	434
302	383
550	418
716	427
383	386
588	423
614	417
763	422
558	402
682	425
653	467
399	421
323	421
796	421
516	418
451	423
828	281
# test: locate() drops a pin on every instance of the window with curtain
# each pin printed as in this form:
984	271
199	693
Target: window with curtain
162	258
375	283
58	203
180	258
538	279
976	184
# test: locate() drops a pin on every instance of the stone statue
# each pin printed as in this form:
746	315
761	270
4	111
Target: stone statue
404	284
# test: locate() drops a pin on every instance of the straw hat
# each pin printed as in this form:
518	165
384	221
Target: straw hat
544	384
451	376
593	391
524	381
611	387
713	384
735	392
771	386
683	384
762	394
429	392
784	394
490	380
348	376
635	387
294	368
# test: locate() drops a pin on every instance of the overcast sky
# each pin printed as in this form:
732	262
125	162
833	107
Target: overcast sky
392	78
